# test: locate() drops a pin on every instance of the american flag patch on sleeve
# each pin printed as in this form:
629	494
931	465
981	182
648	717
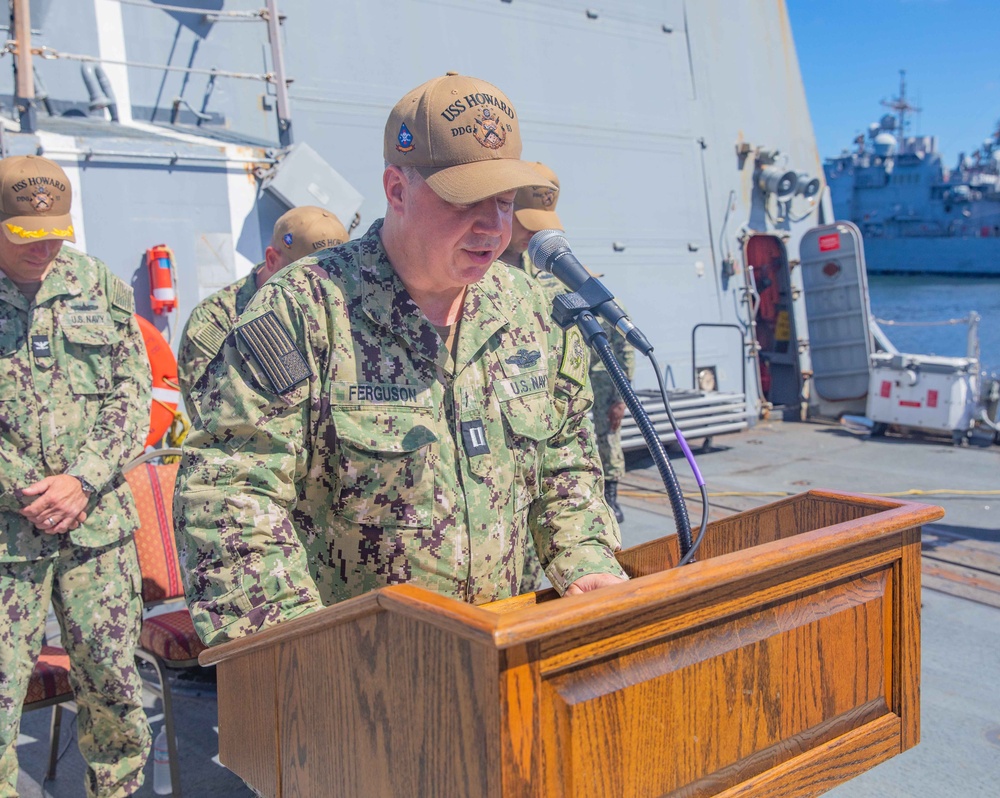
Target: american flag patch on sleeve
275	352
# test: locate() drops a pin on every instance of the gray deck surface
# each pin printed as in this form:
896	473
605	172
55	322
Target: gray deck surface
959	752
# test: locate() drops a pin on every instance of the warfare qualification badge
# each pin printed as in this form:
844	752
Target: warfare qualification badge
524	358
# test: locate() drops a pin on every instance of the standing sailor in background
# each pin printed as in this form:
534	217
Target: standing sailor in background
74	409
400	408
299	232
534	210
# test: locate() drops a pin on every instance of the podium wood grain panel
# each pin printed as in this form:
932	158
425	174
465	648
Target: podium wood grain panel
397	706
248	742
737	678
781	663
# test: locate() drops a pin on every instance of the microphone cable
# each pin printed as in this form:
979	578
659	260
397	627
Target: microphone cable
687	556
675	495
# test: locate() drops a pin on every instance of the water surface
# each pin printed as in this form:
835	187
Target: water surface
929	298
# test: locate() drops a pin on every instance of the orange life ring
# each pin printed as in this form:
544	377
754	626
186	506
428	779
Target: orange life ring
166	394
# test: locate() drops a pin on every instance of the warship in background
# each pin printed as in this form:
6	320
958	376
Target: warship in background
916	215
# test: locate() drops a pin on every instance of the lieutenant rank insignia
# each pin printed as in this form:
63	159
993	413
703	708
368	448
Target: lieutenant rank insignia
474	438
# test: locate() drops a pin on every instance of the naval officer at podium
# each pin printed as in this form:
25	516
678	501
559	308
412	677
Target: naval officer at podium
399	409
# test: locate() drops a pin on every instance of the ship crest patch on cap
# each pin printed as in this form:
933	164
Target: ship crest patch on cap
405	139
41	199
546	196
489	131
287	238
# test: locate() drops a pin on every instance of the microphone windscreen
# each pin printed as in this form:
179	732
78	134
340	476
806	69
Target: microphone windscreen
544	245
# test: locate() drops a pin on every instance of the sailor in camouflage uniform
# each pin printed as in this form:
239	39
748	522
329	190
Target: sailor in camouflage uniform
609	411
299	232
74	408
398	409
534	210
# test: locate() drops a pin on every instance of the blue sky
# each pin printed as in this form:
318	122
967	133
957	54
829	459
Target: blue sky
851	51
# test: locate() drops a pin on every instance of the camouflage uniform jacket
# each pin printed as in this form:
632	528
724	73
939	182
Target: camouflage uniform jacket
623	351
207	328
374	469
74	399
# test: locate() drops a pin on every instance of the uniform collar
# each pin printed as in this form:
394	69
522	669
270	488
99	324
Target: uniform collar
247	289
10	293
60	281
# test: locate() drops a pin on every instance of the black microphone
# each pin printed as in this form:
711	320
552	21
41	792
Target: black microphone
549	250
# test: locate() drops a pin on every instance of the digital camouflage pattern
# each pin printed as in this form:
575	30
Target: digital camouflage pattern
100	632
550	284
206	331
533	576
74	399
75	392
609	444
385	463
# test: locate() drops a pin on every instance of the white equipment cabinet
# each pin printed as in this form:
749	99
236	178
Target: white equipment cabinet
938	394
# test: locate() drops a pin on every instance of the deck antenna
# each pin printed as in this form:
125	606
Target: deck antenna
24	99
901	105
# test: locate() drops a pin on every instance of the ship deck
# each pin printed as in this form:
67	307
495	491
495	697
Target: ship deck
959	752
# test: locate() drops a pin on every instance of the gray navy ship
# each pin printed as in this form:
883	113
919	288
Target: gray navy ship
916	214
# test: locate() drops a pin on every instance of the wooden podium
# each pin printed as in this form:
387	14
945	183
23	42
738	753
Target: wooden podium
783	662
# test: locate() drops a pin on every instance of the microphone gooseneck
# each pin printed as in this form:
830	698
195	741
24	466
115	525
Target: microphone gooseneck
550	251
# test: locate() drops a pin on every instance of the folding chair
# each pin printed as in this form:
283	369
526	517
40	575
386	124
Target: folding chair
50	687
168	640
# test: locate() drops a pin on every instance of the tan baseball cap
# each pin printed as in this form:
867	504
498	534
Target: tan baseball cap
535	206
463	136
35	198
305	230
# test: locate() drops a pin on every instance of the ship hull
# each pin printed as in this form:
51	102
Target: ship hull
973	257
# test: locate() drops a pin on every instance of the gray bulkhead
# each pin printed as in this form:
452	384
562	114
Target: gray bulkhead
640	108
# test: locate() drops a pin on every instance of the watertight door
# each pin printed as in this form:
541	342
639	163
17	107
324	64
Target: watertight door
774	320
836	298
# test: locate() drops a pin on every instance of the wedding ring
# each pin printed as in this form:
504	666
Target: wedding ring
49	521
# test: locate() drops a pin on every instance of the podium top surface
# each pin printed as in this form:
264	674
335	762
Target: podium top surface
776	544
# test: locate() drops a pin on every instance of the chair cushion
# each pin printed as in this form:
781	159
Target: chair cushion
153	490
171	636
50	678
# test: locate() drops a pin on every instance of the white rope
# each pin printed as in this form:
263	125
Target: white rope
49	54
202	11
890	323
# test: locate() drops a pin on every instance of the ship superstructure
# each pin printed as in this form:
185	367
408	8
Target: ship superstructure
915	214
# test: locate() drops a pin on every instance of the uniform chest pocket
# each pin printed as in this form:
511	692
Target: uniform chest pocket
529	421
88	357
386	459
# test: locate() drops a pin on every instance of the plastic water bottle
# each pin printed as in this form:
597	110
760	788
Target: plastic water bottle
161	764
